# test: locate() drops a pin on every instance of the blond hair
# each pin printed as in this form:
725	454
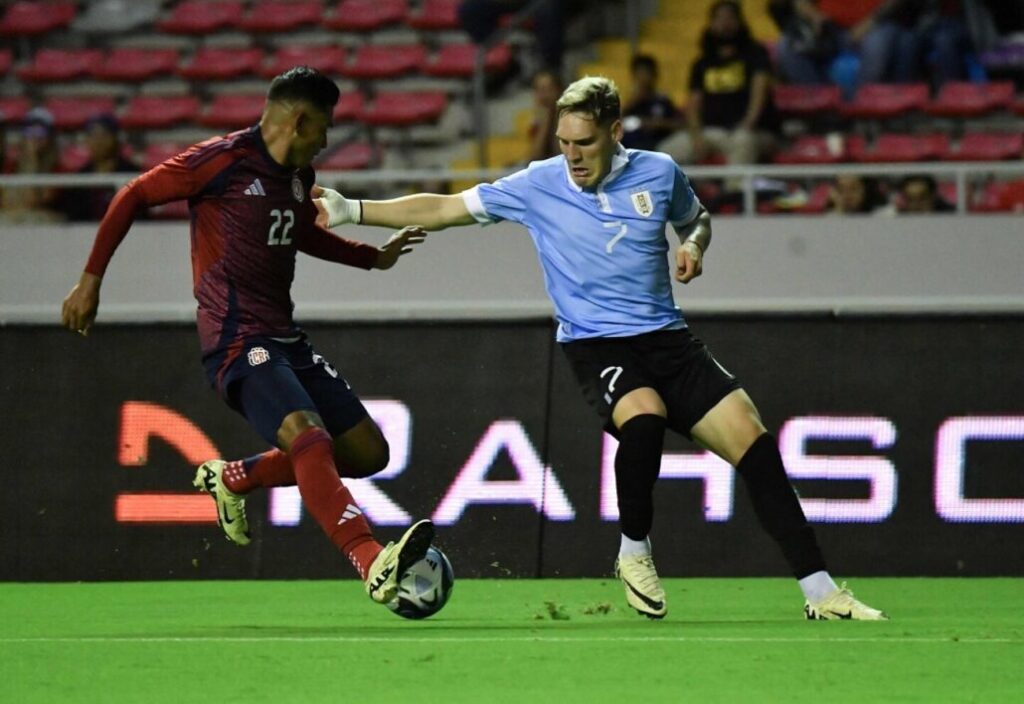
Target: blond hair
597	96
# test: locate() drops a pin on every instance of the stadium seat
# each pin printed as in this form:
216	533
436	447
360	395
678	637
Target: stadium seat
366	15
14	109
5	61
278	16
73	157
148	112
1000	197
327	59
459	60
53	65
201	17
435	15
1018	107
159	152
347	157
29	19
233	111
135	65
372	61
403	109
963	99
882	101
811	149
806	101
986	146
817	200
213	64
350	107
72	113
897	148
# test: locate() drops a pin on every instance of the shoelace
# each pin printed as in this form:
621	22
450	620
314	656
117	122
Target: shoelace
648	578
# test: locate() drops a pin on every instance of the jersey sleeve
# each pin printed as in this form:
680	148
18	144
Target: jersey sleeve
685	205
180	177
505	199
323	244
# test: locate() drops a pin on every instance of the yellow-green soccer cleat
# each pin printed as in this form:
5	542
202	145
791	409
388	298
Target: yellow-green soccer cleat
230	506
643	588
840	605
395	559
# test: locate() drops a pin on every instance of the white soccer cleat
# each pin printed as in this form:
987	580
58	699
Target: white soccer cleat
643	588
395	559
230	506
840	605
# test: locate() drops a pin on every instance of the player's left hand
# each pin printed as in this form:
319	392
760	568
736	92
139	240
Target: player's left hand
400	243
689	262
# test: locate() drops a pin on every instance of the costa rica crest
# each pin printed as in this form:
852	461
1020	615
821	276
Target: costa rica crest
297	191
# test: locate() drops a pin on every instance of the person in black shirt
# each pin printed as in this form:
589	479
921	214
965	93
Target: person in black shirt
650	116
919	193
105	156
729	109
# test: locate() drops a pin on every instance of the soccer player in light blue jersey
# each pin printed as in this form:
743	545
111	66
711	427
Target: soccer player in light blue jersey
597	215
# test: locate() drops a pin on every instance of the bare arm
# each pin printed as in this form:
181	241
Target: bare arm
427	210
694	238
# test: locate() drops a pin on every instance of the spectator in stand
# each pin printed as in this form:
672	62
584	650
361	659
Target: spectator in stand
106	156
650	116
4	166
547	87
37	154
729	108
481	18
851	194
919	193
891	39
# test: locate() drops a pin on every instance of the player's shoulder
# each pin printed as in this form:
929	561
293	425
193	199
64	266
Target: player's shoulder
655	163
236	145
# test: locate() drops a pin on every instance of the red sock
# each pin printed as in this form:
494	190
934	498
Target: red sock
272	468
330	503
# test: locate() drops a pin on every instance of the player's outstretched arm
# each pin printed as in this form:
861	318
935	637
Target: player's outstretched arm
427	210
402	242
81	304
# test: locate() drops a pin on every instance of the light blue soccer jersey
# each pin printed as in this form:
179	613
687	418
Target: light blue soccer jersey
604	253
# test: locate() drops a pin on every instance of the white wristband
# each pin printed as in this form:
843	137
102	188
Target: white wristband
341	210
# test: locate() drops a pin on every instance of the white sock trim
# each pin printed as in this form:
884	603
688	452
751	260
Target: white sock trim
816	587
634	548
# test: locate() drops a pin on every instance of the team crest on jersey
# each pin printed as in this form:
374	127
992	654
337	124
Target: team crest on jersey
257	356
297	191
642	203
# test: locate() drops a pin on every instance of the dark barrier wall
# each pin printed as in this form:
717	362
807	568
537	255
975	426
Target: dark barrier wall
905	438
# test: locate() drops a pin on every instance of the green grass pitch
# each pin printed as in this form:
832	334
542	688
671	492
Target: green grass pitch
725	640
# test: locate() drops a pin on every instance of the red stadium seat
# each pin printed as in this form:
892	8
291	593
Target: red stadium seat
277	16
372	61
898	148
435	14
961	99
459	60
350	107
51	65
1000	197
1018	107
882	101
817	200
5	61
987	146
26	19
202	17
404	109
160	152
806	101
811	149
159	111
73	157
326	59
233	111
213	64
136	65
14	109
367	15
73	113
347	157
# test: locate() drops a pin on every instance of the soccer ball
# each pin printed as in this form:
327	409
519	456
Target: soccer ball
424	588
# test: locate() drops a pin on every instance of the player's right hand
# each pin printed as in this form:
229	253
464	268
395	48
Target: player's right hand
81	304
333	209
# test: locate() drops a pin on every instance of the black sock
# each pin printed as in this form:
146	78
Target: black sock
637	464
777	507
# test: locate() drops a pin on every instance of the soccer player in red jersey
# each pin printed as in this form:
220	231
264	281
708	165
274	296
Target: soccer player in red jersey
251	211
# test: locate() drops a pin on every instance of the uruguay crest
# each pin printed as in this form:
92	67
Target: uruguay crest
642	203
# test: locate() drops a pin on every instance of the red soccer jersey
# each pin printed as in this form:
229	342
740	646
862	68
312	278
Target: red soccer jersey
249	215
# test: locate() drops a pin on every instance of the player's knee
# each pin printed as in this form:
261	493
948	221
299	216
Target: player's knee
294	425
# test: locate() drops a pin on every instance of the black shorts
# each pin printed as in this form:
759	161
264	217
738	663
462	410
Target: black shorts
672	362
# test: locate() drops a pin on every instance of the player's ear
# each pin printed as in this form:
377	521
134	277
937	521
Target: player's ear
617	130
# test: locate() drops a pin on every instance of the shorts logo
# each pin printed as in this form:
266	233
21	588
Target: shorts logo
297	192
258	355
642	203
